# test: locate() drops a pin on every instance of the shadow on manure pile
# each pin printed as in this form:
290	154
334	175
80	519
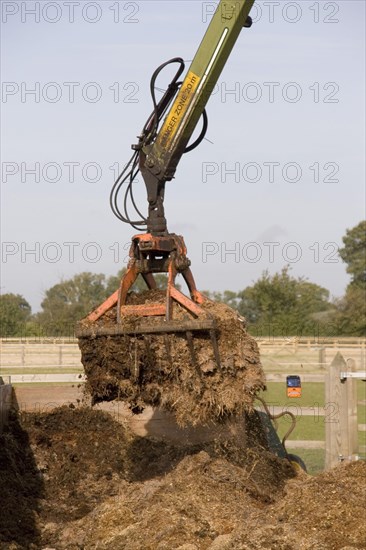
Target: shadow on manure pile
21	487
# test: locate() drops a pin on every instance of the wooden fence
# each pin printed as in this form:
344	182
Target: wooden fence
64	352
293	341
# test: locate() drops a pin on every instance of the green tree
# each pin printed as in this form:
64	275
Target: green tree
70	300
15	312
354	253
350	317
283	305
227	297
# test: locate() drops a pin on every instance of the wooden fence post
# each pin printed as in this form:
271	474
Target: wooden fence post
351	388
322	357
331	408
341	431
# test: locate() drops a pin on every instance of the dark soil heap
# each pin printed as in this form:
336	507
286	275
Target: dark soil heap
21	487
57	467
74	479
146	370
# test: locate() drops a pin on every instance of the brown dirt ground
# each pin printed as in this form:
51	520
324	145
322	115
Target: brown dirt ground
76	479
151	370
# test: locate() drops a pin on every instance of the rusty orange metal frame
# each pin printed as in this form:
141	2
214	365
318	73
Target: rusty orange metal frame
155	254
105	306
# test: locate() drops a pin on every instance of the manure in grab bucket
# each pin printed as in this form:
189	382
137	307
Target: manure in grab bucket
170	370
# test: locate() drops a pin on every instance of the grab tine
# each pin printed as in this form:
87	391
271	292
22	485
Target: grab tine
168	349
136	372
193	355
215	349
147	344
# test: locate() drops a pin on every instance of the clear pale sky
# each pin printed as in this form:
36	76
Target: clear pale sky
278	180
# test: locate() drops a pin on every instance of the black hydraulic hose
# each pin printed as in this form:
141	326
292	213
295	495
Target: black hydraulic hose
149	132
202	133
152	123
279	415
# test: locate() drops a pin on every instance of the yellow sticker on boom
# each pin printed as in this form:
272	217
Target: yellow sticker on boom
177	111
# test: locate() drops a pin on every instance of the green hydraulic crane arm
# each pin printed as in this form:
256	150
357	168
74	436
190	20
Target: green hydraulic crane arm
197	87
159	157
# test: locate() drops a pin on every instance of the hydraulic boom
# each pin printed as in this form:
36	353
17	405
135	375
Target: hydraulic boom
161	153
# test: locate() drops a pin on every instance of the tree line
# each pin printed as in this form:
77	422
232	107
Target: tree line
275	305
